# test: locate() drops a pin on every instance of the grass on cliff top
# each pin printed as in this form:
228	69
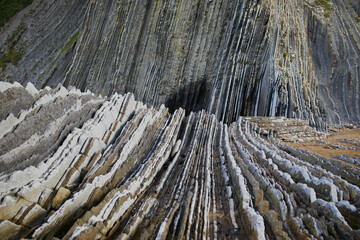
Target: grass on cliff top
9	8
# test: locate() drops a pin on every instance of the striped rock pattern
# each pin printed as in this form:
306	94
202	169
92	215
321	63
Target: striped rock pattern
293	58
127	171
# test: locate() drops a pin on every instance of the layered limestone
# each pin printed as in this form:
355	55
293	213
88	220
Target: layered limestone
129	171
296	58
285	129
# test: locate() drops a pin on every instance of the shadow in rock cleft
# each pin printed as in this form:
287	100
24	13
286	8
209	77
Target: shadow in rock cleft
192	97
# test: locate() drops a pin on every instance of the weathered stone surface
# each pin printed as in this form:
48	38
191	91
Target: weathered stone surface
13	101
285	129
40	129
60	197
232	58
8	229
132	171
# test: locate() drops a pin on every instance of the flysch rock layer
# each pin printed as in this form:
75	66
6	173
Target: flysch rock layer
128	171
293	58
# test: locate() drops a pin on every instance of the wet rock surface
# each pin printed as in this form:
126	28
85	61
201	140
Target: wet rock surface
232	58
130	171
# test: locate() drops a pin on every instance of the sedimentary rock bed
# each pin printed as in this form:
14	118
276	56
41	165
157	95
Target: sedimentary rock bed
294	58
125	170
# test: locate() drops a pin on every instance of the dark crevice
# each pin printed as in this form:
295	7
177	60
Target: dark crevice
192	97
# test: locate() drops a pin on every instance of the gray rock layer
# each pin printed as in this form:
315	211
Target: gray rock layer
232	58
129	171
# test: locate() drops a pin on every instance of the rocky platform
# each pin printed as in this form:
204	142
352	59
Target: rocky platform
75	165
285	129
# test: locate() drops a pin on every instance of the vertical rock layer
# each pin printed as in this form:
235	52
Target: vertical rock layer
231	58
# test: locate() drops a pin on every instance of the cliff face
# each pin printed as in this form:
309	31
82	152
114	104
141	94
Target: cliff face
270	58
127	171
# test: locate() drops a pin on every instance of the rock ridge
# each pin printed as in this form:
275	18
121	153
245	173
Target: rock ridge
125	170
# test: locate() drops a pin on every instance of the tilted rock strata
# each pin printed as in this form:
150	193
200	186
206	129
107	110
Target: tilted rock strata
131	171
285	129
232	58
40	129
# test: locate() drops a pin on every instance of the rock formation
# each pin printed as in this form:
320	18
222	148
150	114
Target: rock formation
80	166
295	58
199	153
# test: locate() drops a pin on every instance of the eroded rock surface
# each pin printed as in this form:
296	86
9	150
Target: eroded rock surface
129	171
232	58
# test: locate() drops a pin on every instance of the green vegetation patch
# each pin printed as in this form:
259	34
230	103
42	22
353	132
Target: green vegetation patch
325	4
14	37
67	46
12	56
9	8
70	42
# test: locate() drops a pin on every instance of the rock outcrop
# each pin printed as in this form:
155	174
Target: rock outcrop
285	129
232	58
124	170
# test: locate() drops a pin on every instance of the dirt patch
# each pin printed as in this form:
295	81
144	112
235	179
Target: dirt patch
345	142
